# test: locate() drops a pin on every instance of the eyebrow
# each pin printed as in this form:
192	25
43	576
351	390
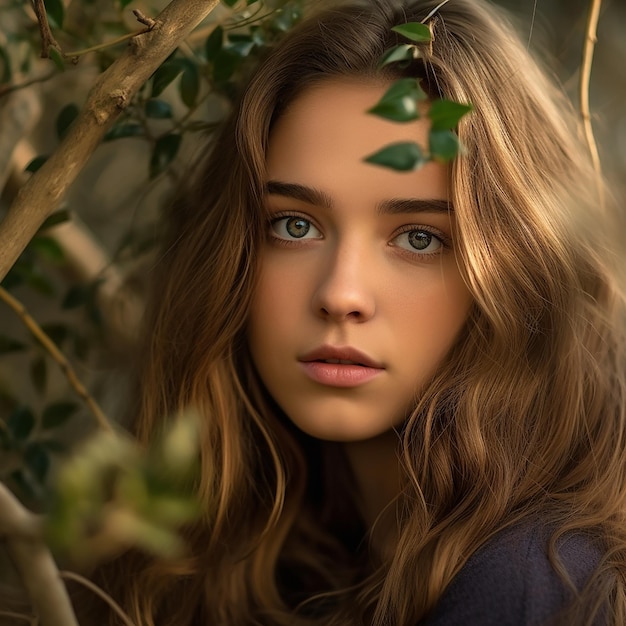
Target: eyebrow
393	206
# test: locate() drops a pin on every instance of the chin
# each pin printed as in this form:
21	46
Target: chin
342	431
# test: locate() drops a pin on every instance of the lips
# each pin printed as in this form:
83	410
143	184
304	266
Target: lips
340	366
342	356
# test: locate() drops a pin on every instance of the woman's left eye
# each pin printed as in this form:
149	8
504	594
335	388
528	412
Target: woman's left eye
293	227
418	241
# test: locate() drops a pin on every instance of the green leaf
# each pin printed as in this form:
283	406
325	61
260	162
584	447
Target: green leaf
40	283
5	66
230	3
165	74
81	346
57	332
76	296
9	345
25	484
13	278
119	131
37	459
39	374
399	104
240	45
286	18
5	440
190	84
124	3
54	446
65	118
414	31
158	109
214	43
21	423
402	53
58	217
165	149
55	11
48	248
55	415
445	114
444	145
259	36
36	163
225	65
402	157
57	59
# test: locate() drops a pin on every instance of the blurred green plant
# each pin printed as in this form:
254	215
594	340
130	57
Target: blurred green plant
111	495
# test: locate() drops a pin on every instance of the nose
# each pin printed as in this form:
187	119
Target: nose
346	289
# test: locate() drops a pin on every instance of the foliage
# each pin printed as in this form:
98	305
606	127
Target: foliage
187	96
401	103
111	495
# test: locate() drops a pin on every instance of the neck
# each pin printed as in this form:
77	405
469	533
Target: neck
376	469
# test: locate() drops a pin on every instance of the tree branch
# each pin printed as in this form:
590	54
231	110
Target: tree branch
37	568
107	99
15	520
47	38
26	618
57	355
74	54
585	78
85	259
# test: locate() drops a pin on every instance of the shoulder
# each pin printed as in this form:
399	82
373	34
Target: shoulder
510	580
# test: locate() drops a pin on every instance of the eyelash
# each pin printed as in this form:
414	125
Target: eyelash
278	217
442	238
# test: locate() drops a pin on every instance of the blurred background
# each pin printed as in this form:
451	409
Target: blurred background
82	277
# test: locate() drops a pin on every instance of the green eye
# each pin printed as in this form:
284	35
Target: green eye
294	227
419	240
297	227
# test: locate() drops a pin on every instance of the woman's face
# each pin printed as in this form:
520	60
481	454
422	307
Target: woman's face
360	296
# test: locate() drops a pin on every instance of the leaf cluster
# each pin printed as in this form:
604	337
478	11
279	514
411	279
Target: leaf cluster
404	102
112	494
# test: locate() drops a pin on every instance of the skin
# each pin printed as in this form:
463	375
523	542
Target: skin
354	279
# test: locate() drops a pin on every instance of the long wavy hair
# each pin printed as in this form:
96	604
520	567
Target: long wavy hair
524	417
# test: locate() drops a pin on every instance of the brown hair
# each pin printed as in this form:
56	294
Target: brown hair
526	415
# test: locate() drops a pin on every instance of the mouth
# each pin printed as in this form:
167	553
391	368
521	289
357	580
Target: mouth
339	362
340	367
341	355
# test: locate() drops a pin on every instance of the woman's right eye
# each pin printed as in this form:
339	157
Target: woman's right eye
292	227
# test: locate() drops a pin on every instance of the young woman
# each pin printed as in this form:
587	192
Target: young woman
411	384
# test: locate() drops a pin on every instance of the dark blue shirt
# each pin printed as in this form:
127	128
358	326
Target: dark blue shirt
510	581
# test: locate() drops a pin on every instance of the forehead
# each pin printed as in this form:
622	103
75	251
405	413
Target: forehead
324	135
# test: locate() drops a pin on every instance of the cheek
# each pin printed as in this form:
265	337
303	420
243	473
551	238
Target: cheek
275	306
430	317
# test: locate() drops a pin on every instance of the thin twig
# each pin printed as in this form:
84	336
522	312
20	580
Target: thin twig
57	355
27	618
101	46
142	18
434	11
100	593
6	89
47	38
585	78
